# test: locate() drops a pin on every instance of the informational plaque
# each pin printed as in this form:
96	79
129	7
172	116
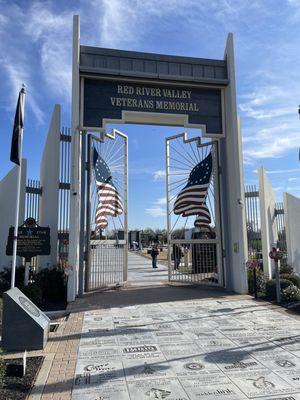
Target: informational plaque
32	241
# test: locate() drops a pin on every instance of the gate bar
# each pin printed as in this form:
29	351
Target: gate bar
88	217
125	269
82	215
168	206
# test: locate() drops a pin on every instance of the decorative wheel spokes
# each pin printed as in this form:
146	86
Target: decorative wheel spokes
112	150
184	155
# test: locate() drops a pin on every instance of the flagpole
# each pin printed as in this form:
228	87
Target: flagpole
15	239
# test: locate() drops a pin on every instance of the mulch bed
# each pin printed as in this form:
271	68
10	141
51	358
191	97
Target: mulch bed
18	388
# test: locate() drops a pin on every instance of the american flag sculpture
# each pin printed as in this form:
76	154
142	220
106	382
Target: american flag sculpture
109	199
191	200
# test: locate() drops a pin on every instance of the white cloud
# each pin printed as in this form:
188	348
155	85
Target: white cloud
158	208
156	211
272	142
17	74
280	171
267	101
52	34
129	22
159	175
161	201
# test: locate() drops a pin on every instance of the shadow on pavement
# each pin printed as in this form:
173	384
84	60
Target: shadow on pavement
144	295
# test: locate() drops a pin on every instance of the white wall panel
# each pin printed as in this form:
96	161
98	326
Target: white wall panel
291	206
49	178
269	234
8	191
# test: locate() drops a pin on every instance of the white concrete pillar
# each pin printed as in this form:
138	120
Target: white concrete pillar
8	191
49	178
269	234
232	183
291	206
75	167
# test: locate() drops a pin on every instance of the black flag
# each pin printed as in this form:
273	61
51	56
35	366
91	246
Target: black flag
17	130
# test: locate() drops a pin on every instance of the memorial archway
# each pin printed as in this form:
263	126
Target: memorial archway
116	86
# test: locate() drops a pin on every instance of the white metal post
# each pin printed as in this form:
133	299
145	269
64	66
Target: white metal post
168	207
88	217
82	215
75	166
15	242
217	205
125	271
26	277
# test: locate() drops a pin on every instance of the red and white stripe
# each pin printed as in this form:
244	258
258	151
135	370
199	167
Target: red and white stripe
203	219
190	200
110	204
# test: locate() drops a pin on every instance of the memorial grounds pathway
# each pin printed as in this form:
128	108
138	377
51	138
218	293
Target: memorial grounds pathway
173	343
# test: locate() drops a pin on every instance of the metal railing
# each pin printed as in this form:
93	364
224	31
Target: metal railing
64	196
32	199
195	261
34	193
253	223
280	222
107	259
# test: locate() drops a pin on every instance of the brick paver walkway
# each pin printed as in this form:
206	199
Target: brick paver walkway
226	348
64	347
173	343
58	371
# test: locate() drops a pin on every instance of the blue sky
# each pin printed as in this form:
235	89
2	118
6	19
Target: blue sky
35	48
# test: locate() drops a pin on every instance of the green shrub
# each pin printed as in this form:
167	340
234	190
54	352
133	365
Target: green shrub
34	293
291	294
5	278
52	283
295	279
2	369
260	281
285	269
271	287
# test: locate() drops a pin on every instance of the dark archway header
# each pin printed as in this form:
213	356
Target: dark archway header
117	82
94	60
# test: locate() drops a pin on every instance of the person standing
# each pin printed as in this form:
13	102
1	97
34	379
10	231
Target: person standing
177	253
154	254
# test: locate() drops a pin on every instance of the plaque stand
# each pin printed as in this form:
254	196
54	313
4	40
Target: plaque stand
24	326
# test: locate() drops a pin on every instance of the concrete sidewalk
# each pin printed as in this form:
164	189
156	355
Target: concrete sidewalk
141	272
214	347
155	341
173	343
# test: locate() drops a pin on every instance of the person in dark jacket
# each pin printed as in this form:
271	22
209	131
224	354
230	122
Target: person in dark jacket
154	254
178	254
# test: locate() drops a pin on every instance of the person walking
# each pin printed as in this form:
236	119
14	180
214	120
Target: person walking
154	254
